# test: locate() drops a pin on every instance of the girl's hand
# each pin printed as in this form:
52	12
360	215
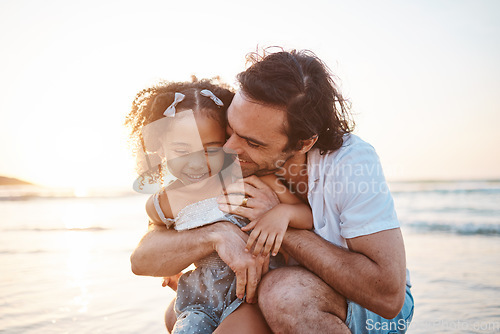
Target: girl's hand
171	281
268	231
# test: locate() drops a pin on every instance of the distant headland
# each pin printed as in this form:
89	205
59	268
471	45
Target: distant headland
10	181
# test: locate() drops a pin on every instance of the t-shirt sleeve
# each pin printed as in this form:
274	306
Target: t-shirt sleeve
363	198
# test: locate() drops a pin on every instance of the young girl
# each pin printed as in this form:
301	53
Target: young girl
182	126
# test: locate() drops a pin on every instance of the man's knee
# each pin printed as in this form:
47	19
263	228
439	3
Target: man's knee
294	291
277	287
284	294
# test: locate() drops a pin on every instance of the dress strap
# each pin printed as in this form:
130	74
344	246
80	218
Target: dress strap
167	221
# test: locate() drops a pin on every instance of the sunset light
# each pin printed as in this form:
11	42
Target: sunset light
419	92
404	212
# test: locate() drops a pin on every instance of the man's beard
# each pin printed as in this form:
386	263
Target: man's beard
279	170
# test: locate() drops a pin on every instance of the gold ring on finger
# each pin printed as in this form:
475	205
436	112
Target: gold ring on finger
245	202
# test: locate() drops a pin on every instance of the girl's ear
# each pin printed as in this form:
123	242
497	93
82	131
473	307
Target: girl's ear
308	144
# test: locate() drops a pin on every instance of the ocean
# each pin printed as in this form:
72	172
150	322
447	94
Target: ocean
64	259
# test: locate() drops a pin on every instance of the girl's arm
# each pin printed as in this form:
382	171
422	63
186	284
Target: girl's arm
299	213
164	206
154	218
269	230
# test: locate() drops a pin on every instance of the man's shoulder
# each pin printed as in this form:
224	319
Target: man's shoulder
353	149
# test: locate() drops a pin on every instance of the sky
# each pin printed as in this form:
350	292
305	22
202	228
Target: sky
422	77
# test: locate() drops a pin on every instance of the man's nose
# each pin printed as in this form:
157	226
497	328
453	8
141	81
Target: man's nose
232	146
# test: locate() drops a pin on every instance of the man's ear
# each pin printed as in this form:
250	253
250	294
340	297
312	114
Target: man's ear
308	144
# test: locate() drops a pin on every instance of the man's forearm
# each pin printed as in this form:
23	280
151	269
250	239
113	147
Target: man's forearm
166	252
376	286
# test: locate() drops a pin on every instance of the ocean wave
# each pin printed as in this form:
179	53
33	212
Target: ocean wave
464	186
56	229
458	210
27	193
29	197
17	251
485	191
464	229
59	196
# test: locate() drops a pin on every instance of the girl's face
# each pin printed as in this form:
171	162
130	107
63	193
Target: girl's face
193	147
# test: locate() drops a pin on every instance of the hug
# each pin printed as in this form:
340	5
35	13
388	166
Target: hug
269	200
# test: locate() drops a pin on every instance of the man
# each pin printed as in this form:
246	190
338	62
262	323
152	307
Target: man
289	119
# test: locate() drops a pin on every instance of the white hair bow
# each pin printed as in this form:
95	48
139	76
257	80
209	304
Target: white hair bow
170	111
212	96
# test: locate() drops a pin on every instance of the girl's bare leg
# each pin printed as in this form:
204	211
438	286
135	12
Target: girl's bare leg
170	317
247	319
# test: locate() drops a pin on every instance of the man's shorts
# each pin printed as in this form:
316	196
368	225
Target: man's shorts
360	320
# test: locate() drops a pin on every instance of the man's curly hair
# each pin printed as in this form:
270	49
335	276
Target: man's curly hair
303	85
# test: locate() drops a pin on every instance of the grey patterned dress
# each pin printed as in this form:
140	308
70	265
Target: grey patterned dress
207	294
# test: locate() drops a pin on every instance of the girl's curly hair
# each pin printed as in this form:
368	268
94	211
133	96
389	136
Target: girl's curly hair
150	103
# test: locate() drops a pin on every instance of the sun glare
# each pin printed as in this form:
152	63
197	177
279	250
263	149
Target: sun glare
78	216
79	246
80	191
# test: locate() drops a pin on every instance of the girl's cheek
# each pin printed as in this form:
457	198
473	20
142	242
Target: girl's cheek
175	166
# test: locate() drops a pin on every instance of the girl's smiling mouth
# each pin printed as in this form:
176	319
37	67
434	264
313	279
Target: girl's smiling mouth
196	177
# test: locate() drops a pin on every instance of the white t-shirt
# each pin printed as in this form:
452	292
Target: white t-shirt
348	193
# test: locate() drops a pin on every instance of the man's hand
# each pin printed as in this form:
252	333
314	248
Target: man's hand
230	244
268	231
260	198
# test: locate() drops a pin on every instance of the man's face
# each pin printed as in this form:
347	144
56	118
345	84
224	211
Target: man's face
257	134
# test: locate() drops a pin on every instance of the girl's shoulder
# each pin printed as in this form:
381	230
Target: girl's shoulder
159	209
281	189
272	181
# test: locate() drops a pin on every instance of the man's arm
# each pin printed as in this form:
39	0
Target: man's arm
166	252
371	273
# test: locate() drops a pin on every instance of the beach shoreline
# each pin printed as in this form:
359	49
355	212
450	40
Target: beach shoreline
454	282
70	273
